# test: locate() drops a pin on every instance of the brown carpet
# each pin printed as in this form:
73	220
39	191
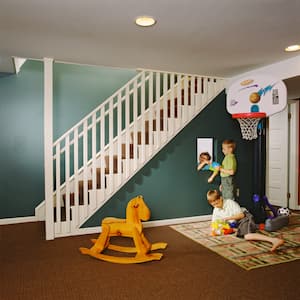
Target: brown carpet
35	269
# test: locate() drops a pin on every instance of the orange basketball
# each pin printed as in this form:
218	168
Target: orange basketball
254	98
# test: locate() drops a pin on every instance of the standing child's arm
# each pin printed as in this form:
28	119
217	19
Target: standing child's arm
227	171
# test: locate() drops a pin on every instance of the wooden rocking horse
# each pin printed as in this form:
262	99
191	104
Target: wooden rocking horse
131	227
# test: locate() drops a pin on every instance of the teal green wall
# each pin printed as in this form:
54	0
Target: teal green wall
170	184
77	90
21	135
80	89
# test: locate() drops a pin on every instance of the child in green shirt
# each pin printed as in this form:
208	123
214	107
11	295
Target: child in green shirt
228	170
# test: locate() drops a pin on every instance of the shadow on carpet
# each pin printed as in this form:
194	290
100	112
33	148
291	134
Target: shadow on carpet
247	254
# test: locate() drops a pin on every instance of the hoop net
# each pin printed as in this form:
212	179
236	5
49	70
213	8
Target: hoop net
248	123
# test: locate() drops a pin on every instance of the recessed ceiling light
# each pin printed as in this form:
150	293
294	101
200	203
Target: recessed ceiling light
292	48
145	21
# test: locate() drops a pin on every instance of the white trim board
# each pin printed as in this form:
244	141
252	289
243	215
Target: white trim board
293	154
18	220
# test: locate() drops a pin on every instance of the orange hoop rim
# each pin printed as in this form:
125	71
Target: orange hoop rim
249	115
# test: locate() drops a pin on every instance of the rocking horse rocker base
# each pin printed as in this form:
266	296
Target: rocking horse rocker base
123	260
131	227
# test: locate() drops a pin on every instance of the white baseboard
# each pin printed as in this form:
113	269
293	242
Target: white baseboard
18	220
166	222
40	211
39	216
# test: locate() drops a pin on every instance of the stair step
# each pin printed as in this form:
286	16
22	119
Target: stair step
80	192
80	189
139	137
124	151
115	164
154	128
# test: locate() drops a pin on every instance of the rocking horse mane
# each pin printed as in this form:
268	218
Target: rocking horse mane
137	210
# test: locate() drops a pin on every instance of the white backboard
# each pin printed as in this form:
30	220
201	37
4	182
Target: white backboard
259	93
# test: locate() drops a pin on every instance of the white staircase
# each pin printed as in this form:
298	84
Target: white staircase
96	157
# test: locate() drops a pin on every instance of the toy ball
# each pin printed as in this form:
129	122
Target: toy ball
283	211
233	224
254	98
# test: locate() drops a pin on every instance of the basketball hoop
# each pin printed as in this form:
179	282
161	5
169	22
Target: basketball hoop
248	123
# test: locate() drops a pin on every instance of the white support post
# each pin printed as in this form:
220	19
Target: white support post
48	150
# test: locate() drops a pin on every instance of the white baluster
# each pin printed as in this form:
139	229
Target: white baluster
143	131
119	140
185	99
67	180
127	139
135	126
172	107
111	146
192	93
158	111
102	154
205	90
93	200
179	101
199	94
58	192
165	107
150	119
85	170
75	218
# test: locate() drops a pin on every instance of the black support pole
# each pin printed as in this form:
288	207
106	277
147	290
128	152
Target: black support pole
259	173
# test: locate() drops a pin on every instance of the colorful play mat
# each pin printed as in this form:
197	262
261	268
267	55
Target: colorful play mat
247	254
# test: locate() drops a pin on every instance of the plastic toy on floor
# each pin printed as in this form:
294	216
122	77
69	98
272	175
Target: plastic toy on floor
219	227
131	227
280	221
277	218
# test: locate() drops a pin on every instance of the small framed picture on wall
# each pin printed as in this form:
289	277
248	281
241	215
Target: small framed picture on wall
204	145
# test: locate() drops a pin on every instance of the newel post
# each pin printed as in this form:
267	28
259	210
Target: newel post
48	149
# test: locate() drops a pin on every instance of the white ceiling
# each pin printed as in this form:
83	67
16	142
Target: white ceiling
208	37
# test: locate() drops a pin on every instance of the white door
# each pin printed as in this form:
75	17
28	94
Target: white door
294	154
277	159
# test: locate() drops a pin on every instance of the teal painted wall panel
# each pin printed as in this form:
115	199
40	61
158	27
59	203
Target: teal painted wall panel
170	184
82	88
77	90
21	148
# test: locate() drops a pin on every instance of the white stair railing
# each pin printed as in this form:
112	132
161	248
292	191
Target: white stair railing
96	157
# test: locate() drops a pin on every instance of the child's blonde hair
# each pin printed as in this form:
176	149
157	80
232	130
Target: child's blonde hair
213	195
229	143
